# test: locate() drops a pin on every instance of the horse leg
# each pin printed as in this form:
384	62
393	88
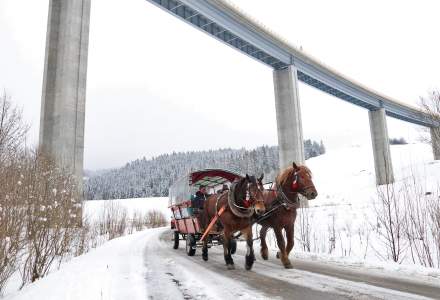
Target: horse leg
205	249
227	249
290	243
290	239
282	247
250	257
263	251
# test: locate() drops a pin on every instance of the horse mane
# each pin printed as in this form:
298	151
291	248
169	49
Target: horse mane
284	175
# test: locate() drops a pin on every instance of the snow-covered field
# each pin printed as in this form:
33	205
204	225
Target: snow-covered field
123	269
92	209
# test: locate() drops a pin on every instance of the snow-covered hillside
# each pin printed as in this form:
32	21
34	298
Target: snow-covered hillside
346	176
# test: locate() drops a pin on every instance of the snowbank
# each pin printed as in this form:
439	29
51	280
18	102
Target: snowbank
112	271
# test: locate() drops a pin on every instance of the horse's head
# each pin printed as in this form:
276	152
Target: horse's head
254	193
297	179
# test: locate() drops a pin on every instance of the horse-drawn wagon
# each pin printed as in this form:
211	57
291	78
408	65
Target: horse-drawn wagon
240	204
187	216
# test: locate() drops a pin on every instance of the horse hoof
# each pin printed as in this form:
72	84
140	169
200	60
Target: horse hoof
230	267
278	254
205	258
288	266
264	254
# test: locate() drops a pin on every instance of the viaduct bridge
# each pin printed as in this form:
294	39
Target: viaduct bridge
65	72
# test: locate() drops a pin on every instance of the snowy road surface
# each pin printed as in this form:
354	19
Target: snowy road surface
144	266
172	275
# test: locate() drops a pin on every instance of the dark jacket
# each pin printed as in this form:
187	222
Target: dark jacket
199	200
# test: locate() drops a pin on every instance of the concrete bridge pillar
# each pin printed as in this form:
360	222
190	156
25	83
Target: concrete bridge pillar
435	140
381	147
288	113
64	83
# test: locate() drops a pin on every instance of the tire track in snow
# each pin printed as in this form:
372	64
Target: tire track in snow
171	276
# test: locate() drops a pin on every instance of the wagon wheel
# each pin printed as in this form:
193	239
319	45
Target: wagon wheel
190	244
233	245
176	239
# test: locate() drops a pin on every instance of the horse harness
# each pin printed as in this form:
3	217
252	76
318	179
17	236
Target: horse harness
281	199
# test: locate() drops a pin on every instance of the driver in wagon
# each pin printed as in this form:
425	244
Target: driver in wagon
198	203
200	198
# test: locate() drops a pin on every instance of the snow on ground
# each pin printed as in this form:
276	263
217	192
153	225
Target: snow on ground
144	266
113	271
92	209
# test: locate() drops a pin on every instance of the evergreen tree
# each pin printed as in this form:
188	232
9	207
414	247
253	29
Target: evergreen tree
152	178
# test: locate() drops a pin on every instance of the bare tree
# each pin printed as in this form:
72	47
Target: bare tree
434	213
155	218
13	130
431	107
12	224
12	212
113	220
422	222
332	234
390	225
305	229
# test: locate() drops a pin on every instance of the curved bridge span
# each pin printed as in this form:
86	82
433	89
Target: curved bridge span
225	23
65	76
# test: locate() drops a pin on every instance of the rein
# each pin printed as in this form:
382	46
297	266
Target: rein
277	204
281	200
286	199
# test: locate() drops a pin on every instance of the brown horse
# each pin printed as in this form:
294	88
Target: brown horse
242	201
283	200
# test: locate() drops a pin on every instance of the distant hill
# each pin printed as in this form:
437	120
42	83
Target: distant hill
152	178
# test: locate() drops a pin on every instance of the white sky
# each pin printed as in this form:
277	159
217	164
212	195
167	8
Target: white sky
157	85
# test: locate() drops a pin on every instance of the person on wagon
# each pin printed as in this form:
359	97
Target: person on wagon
199	202
201	196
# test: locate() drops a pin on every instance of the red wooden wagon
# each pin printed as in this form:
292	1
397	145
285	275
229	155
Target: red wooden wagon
185	222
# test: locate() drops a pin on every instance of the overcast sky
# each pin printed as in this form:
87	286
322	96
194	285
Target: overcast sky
157	85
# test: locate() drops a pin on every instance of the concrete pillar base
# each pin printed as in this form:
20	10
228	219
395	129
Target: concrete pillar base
381	147
435	141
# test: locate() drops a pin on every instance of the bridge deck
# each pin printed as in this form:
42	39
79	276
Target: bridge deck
232	27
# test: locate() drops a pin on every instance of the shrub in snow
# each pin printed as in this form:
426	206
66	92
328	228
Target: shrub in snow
12	225
113	220
49	232
391	223
398	141
12	213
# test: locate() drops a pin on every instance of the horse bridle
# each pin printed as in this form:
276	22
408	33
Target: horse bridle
295	185
295	189
249	197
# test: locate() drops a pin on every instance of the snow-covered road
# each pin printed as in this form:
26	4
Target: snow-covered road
180	276
144	266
